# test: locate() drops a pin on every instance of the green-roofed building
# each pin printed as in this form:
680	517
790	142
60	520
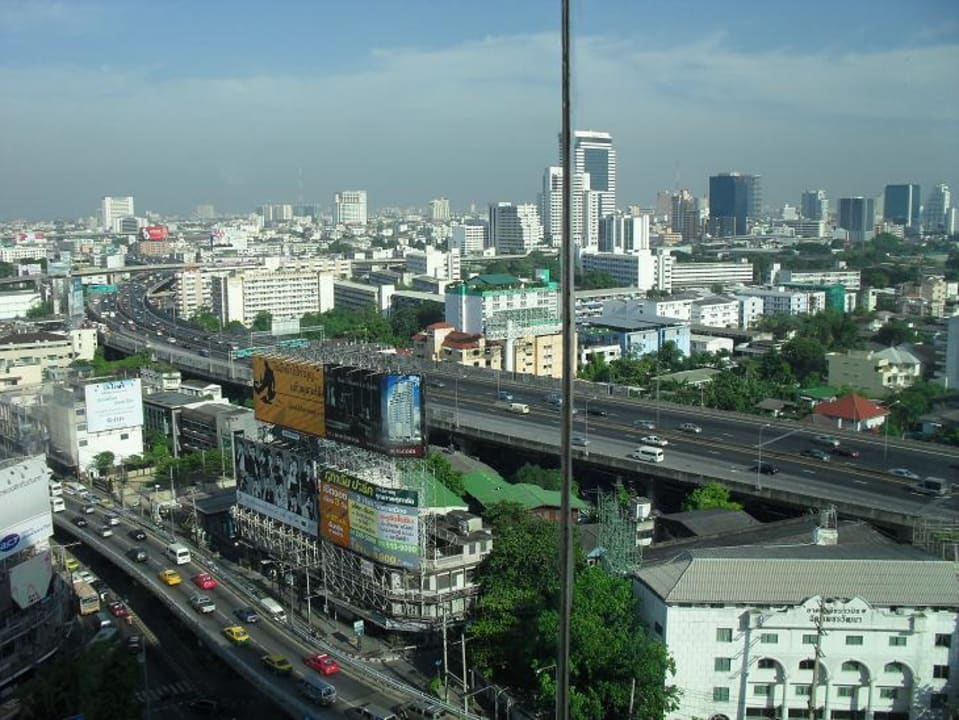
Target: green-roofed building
487	489
502	306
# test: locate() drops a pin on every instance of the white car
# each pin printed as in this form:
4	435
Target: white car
654	440
827	440
904	473
203	604
580	441
83	576
690	428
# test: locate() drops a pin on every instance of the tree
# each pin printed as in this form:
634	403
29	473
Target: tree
710	496
546	478
807	358
41	311
103	462
263	322
445	473
206	320
895	332
669	357
596	369
596	280
7	270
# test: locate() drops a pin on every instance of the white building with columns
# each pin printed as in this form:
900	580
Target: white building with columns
844	620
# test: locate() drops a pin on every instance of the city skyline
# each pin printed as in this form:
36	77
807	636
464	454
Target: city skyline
119	99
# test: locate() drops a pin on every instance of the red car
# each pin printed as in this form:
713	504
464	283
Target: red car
118	609
204	581
323	664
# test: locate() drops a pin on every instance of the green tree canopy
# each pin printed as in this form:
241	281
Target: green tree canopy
445	473
807	358
206	320
596	280
895	332
103	461
263	322
41	311
710	496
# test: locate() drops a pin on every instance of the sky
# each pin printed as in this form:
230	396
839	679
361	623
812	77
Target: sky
240	102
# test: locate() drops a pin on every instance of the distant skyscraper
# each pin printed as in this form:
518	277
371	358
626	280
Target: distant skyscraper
938	203
754	196
551	204
204	212
684	215
114	208
594	154
282	212
624	233
514	229
584	219
900	205
440	209
729	201
857	218
349	207
469	238
814	205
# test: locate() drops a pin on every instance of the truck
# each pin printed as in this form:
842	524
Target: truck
513	407
273	608
89	598
939	487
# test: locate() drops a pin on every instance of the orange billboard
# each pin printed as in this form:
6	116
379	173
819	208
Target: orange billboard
289	393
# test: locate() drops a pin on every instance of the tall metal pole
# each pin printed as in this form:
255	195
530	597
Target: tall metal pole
569	369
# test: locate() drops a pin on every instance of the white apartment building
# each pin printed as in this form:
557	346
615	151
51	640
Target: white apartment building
715	311
25	357
242	294
440	209
469	239
593	154
624	233
850	279
676	307
778	301
637	269
24	251
113	209
750	310
349	295
589	304
514	229
696	274
16	303
349	207
770	629
434	263
551	204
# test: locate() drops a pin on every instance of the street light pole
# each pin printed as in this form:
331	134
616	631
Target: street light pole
759	462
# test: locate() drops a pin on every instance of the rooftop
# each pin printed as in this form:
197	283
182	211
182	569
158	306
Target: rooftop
489	489
851	407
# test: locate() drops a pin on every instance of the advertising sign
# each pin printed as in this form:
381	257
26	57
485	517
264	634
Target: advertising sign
379	523
289	393
27	533
24	489
30	580
154	232
379	411
113	404
277	483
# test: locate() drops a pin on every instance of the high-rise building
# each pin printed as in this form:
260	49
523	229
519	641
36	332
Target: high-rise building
349	207
586	211
938	204
900	205
204	212
551	204
593	154
814	205
282	212
684	215
952	353
857	218
469	238
114	208
624	233
729	203
440	209
754	197
514	229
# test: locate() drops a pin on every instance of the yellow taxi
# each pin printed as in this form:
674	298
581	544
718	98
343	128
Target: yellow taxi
71	564
237	634
277	664
170	577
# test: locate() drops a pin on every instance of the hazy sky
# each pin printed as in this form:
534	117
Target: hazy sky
224	102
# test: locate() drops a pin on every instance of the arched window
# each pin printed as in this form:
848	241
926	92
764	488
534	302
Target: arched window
767	664
809	664
894	667
851	666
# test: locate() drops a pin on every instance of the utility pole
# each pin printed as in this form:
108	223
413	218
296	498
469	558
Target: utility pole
446	671
815	668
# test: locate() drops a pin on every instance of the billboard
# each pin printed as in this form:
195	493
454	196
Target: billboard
289	393
154	232
277	483
32	532
379	523
24	489
30	580
379	411
113	404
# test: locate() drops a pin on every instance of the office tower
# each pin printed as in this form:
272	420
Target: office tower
266	211
282	212
551	204
624	233
938	203
814	205
664	204
593	154
584	218
469	238
349	207
440	209
684	215
729	200
857	218
114	208
754	196
514	229
900	205
204	212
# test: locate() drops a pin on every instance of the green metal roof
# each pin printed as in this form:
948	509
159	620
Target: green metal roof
491	489
819	392
432	493
495	279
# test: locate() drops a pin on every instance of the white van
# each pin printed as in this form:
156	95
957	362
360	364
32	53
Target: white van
274	609
648	453
56	504
317	690
56	489
180	554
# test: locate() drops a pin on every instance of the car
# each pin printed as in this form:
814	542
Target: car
437	384
137	534
105	531
580	441
277	664
904	473
79	521
247	615
105	502
322	663
236	634
71	564
112	519
83	576
134	644
170	577
690	428
118	609
597	411
827	440
89	509
644	424
504	395
654	440
204	706
817	454
845	452
204	581
202	604
138	554
418	709
765	468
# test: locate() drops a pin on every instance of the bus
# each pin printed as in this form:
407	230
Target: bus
89	598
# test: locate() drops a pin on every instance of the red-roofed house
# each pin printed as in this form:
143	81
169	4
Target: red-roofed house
441	341
853	412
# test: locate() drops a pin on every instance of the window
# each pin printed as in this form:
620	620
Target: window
897	641
888	693
724	634
850	666
767	664
893	667
82	443
722	664
769	638
808	639
124	436
720	694
658	628
761	690
943	640
803	690
809	664
853	639
940	671
845	691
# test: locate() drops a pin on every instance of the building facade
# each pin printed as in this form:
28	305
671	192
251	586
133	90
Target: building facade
349	208
715	311
593	154
435	263
901	205
936	212
814	205
778	301
706	274
730	202
114	208
876	373
857	218
630	270
514	229
469	238
242	295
